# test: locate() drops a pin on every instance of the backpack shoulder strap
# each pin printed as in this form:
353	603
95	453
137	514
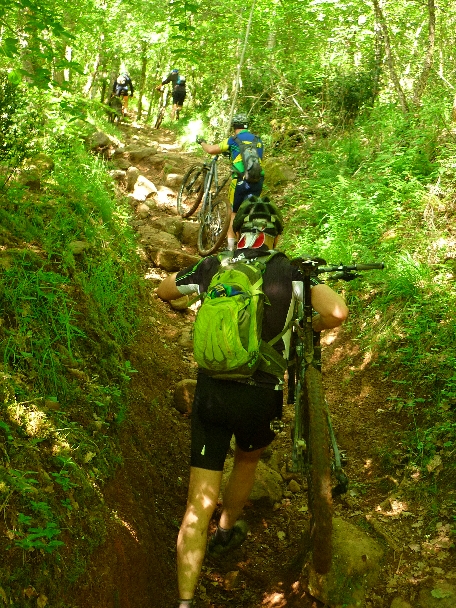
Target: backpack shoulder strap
224	258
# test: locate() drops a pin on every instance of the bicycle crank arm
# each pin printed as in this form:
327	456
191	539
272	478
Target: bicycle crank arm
337	458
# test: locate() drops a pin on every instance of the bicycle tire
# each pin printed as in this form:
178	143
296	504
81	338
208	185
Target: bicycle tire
160	117
213	227
318	472
191	191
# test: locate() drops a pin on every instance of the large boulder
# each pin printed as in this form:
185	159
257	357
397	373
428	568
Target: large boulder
267	485
277	173
355	568
157	239
189	234
143	189
34	170
172	225
99	141
171	260
132	177
134	152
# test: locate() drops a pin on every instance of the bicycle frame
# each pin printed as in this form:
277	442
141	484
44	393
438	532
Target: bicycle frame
307	351
210	178
162	103
214	215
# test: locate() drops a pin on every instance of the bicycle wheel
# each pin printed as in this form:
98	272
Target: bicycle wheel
191	191
318	472
160	117
213	226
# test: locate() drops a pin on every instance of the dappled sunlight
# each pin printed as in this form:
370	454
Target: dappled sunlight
397	508
153	274
329	337
194	128
274	600
366	360
126	525
416	475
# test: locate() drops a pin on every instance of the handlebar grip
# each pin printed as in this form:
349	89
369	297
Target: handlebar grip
373	266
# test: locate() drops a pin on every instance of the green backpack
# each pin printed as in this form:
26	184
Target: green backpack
227	341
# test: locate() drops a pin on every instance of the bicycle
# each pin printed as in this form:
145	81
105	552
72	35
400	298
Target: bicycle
162	102
201	185
313	434
116	109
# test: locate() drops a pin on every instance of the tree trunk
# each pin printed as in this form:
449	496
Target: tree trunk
241	61
429	59
389	57
93	75
142	79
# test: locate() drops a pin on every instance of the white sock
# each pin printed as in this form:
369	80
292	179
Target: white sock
231	244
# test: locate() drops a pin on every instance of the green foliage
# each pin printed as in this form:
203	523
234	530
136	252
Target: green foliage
36	537
18	127
369	196
65	318
348	93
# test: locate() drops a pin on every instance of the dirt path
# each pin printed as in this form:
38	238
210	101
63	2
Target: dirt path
136	566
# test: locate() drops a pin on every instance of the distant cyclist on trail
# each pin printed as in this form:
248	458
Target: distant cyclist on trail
226	407
123	88
179	91
240	188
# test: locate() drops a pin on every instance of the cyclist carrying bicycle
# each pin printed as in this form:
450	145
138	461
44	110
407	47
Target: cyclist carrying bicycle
179	91
123	88
239	188
222	408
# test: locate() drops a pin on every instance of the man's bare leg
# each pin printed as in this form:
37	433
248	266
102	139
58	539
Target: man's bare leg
230	234
239	486
202	499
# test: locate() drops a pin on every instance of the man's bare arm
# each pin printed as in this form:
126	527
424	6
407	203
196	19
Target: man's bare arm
330	306
167	289
211	149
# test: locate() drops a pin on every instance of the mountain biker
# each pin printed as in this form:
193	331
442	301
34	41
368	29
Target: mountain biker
179	94
121	88
222	408
179	91
239	188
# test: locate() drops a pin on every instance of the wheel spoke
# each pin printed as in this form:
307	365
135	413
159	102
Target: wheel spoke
191	191
213	226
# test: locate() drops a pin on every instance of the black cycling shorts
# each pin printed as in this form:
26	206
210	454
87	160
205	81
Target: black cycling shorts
243	190
223	408
179	98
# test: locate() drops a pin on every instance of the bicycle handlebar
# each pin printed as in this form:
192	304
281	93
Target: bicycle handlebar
352	268
345	272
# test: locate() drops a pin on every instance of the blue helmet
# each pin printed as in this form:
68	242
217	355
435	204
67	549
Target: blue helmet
174	71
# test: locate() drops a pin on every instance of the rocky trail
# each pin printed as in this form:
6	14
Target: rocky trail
393	545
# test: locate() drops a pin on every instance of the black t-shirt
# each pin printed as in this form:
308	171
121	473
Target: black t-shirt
282	283
172	77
